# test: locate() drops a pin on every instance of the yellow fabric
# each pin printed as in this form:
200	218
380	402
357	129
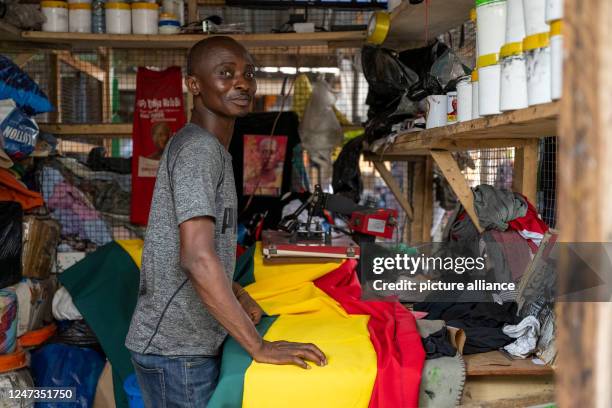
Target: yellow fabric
307	314
134	248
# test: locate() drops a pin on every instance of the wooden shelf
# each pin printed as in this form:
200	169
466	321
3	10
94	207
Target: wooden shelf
85	40
515	128
494	363
409	21
88	130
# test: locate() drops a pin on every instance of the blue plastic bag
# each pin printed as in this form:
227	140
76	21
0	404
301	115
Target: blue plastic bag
60	365
19	132
18	86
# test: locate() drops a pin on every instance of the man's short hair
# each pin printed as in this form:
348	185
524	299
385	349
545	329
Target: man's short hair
199	49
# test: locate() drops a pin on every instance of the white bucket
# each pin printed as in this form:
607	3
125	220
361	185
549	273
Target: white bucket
556	58
515	23
489	78
537	53
554	10
513	78
79	17
56	16
118	18
535	17
144	18
475	86
437	111
451	107
491	25
464	99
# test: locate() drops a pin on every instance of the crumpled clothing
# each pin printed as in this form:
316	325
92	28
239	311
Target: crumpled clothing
531	227
495	208
12	190
526	333
437	345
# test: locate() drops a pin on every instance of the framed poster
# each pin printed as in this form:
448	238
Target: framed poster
264	158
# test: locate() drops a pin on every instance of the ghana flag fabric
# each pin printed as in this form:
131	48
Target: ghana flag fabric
374	352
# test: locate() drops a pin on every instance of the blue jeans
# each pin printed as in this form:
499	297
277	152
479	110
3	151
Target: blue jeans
176	382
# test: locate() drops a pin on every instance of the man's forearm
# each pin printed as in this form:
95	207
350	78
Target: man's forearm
210	282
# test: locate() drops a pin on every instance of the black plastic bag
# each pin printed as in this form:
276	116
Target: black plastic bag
11	230
346	178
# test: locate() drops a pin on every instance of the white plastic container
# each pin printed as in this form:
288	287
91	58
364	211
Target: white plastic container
56	15
79	17
451	107
491	25
535	17
144	18
169	27
118	18
537	53
489	78
513	94
464	99
556	57
437	111
515	22
78	1
475	96
554	10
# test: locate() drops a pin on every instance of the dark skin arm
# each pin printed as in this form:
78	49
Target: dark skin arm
200	261
248	304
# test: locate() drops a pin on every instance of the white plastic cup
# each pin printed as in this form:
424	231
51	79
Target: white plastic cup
79	17
535	17
556	57
437	111
491	25
539	76
145	17
118	18
464	99
554	10
489	90
515	22
513	83
475	95
56	16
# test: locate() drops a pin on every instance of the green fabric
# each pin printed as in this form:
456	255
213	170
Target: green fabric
244	273
234	364
104	288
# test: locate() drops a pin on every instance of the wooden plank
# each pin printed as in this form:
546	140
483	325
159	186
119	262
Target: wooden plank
83	66
55	88
412	24
486	388
88	129
106	60
90	40
585	174
394	187
458	183
539	398
525	174
495	363
427	199
192	11
417	198
21	60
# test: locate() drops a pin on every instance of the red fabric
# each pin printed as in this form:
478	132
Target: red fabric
394	336
531	227
12	190
159	102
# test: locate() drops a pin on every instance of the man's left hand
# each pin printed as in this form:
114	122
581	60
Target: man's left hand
250	307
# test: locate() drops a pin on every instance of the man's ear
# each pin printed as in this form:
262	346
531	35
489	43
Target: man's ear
192	84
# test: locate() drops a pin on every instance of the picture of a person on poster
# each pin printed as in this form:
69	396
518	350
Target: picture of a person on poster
264	164
160	134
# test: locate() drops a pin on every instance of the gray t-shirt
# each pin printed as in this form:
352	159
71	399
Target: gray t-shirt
195	178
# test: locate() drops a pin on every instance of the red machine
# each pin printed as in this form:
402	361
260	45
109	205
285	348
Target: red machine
377	222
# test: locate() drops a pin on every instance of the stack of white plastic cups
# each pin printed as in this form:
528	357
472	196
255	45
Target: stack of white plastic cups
514	68
475	95
491	34
554	16
464	99
537	51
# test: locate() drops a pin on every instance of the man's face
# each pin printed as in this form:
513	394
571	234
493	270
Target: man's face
268	151
226	81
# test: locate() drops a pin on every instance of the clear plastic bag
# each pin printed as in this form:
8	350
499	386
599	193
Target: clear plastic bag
320	130
447	69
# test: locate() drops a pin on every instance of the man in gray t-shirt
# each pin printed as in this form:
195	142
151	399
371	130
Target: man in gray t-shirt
187	302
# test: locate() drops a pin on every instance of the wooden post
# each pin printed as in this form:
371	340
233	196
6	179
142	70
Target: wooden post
417	198
525	175
192	11
458	183
585	198
55	88
106	62
400	196
427	199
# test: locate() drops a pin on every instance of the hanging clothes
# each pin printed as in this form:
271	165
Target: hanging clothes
12	190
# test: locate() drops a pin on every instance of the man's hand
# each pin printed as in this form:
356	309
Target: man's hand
250	306
285	352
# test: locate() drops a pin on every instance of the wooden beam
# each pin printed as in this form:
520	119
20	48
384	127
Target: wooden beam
427	199
106	60
417	197
422	145
192	11
87	129
55	88
585	173
458	183
83	66
525	174
394	187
